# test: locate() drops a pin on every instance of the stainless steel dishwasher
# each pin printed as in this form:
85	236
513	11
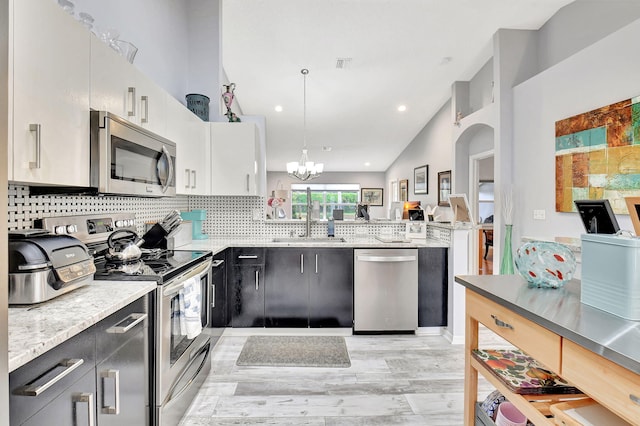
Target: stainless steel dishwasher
385	290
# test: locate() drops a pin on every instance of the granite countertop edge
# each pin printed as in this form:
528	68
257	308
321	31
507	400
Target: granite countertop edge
219	244
36	329
575	321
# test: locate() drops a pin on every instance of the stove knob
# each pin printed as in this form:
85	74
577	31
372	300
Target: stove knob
119	223
71	229
131	222
60	229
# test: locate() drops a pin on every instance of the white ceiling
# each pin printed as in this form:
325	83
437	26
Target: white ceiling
399	50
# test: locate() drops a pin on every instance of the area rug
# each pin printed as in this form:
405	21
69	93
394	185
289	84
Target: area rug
295	351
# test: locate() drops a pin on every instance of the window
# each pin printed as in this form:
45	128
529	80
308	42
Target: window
328	196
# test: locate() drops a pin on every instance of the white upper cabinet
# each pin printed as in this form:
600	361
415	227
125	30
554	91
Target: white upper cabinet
191	136
234	159
49	92
121	89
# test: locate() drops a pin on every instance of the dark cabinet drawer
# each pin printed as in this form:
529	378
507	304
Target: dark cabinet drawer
118	328
49	375
248	256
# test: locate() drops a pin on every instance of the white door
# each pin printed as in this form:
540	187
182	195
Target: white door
233	158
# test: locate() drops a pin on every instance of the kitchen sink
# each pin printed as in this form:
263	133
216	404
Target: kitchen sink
309	240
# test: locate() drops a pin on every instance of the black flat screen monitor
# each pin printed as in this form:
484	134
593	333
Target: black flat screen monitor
597	216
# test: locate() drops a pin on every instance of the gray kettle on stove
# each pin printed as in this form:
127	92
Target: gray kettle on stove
124	249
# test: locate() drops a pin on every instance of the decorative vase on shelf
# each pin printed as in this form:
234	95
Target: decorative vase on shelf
506	263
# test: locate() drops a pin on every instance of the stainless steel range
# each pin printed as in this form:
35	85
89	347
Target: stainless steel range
181	359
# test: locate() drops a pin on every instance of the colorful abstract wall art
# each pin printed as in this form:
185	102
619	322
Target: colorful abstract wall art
598	156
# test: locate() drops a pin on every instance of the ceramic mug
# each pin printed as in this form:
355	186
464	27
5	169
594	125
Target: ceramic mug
508	415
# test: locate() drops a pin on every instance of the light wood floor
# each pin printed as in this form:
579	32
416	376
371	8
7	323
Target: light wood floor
393	380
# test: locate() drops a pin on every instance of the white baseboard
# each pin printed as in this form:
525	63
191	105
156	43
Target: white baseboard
430	331
454	340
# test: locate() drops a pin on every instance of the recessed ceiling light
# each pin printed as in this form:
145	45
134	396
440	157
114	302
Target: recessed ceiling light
367	164
327	148
446	60
402	108
278	108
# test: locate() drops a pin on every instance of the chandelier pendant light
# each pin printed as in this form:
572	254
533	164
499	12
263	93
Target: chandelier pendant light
304	169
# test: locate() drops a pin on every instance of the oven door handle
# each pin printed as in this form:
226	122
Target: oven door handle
175	393
177	284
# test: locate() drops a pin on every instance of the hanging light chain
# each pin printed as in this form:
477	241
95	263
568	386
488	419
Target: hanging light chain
304	169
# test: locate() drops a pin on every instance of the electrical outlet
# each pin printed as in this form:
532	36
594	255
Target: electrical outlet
256	214
539	214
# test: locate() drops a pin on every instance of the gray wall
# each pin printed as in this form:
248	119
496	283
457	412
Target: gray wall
584	81
432	146
581	24
481	87
159	28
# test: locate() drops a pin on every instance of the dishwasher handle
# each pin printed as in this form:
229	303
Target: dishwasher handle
386	259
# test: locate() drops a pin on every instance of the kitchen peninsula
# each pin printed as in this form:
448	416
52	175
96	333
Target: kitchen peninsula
596	351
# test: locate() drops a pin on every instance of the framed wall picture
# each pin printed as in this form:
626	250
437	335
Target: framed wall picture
633	204
444	188
421	180
372	196
404	190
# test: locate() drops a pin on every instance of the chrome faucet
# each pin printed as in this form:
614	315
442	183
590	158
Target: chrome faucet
307	233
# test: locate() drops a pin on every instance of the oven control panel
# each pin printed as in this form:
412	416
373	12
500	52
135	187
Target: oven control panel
88	228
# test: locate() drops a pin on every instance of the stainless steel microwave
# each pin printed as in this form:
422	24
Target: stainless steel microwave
127	159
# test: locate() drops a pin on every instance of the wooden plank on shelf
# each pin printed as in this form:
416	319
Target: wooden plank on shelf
533	406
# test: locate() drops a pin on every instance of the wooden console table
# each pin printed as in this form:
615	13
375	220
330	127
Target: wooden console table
595	351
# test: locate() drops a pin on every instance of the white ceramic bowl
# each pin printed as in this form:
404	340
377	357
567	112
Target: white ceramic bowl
509	415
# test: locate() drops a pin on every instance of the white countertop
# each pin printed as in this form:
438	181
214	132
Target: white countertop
35	329
218	244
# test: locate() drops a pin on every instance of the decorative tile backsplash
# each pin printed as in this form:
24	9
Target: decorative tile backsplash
24	208
226	216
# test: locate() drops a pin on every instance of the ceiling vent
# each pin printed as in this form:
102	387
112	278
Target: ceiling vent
343	63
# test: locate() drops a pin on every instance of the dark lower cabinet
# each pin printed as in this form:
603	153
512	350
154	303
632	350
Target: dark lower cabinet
98	377
331	288
432	286
307	287
246	297
219	309
287	287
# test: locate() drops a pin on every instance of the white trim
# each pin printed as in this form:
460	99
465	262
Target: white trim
458	340
430	331
474	177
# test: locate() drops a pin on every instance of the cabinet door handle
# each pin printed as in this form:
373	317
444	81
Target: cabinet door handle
115	376
193	172
213	295
84	398
316	263
501	323
257	280
187	178
248	256
634	398
36	128
302	263
247	182
127	324
34	390
145	118
132	95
